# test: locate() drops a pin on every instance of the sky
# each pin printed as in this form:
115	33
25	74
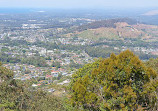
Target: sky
77	3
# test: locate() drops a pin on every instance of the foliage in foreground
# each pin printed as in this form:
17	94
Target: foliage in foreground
121	82
15	96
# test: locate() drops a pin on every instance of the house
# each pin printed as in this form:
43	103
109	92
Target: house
48	76
54	73
64	82
51	90
34	85
64	73
39	84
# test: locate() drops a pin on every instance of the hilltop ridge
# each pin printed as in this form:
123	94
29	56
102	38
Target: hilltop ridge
117	29
109	23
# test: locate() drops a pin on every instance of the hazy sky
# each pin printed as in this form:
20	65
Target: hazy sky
77	3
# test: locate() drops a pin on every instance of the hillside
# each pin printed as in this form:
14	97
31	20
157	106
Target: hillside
116	29
105	23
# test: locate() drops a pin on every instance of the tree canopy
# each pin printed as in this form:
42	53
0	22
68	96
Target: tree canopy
17	96
120	82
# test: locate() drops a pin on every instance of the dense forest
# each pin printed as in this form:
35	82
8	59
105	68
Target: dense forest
120	82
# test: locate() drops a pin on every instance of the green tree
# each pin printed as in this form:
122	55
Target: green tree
153	63
120	82
56	64
152	87
9	90
18	96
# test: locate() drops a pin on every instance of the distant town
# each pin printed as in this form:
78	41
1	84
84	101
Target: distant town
48	51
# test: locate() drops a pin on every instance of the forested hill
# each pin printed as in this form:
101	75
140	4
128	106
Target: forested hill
106	23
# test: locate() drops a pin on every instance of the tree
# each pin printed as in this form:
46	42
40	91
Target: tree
120	82
153	63
74	65
18	96
56	64
152	87
9	90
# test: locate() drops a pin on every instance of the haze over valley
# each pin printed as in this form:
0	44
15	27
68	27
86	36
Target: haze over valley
78	55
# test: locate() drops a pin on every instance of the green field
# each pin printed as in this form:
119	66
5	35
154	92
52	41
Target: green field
98	34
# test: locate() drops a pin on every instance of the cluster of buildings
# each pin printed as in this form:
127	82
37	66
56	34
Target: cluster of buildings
27	72
74	41
61	63
144	50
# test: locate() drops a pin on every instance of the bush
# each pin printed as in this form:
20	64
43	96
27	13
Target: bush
120	82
